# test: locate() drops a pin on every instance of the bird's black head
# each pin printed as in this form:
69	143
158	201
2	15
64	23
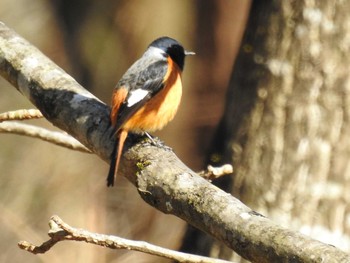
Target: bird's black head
173	48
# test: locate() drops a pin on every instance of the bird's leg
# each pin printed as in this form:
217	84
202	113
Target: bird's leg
152	140
158	143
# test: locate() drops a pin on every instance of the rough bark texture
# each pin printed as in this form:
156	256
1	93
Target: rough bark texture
298	133
161	178
172	188
288	116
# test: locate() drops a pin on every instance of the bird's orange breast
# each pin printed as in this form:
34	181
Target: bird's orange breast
161	108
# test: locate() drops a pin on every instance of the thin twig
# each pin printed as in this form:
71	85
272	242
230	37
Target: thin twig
60	231
57	138
23	114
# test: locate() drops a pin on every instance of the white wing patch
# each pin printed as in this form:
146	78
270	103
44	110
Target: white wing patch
136	96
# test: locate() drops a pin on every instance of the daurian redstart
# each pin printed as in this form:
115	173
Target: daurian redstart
148	95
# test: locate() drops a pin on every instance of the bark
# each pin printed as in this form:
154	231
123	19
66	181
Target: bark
287	116
161	178
296	137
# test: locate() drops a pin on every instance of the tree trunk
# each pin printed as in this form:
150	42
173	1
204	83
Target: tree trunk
295	164
287	116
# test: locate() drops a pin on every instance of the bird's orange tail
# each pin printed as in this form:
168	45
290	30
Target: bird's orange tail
115	158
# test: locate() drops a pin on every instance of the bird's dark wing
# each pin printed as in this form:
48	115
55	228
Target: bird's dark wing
141	89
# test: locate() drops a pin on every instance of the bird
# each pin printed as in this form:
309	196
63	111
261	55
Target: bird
147	96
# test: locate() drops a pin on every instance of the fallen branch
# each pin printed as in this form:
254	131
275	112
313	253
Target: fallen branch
161	178
61	231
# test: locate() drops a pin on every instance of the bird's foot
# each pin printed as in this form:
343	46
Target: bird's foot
158	143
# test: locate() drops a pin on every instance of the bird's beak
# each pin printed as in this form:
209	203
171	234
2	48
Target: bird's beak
189	53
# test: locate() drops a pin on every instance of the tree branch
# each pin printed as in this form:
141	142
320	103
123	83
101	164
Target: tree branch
213	173
60	231
161	178
57	138
21	115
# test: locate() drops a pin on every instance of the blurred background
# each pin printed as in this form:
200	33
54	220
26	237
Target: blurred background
95	42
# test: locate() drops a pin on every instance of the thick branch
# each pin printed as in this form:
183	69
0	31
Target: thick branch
161	178
60	231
